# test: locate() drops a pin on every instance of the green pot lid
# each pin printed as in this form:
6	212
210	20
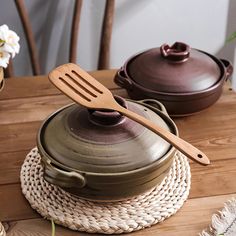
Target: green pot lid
103	141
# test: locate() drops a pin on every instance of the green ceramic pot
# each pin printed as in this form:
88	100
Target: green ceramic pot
102	155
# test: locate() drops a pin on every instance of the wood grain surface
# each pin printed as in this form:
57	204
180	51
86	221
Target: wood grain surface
26	102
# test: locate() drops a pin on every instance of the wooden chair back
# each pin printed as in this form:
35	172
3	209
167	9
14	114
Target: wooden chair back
105	38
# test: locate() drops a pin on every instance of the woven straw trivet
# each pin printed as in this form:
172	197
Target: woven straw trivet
108	218
2	231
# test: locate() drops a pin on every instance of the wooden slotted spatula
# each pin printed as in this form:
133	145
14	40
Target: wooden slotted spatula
87	91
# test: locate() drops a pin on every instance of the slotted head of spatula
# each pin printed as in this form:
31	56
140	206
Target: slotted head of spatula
81	87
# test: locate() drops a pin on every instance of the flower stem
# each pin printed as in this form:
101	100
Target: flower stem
53	228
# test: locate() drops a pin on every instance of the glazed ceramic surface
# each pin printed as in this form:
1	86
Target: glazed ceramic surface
102	155
185	80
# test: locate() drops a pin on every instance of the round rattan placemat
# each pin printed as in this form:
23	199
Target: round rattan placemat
2	231
108	218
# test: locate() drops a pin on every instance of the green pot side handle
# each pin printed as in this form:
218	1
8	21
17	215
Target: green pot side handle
154	104
62	178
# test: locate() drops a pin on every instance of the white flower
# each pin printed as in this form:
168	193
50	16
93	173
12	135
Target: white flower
4	58
9	40
3	32
9	45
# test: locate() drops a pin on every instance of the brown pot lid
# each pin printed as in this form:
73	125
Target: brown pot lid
102	142
177	69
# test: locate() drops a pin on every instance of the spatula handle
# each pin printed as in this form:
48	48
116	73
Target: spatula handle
184	147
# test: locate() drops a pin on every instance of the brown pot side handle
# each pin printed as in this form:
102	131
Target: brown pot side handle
63	178
228	67
122	80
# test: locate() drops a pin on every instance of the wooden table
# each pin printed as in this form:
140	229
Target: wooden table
26	102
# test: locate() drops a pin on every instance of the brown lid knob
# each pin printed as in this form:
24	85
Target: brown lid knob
178	52
107	117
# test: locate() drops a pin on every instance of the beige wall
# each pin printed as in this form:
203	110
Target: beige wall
138	25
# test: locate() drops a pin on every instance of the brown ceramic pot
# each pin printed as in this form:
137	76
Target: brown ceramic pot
185	80
102	155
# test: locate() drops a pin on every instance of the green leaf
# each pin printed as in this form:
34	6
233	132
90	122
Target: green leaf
53	228
231	37
1	42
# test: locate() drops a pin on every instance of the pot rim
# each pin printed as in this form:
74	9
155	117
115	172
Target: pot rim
208	90
179	97
45	156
